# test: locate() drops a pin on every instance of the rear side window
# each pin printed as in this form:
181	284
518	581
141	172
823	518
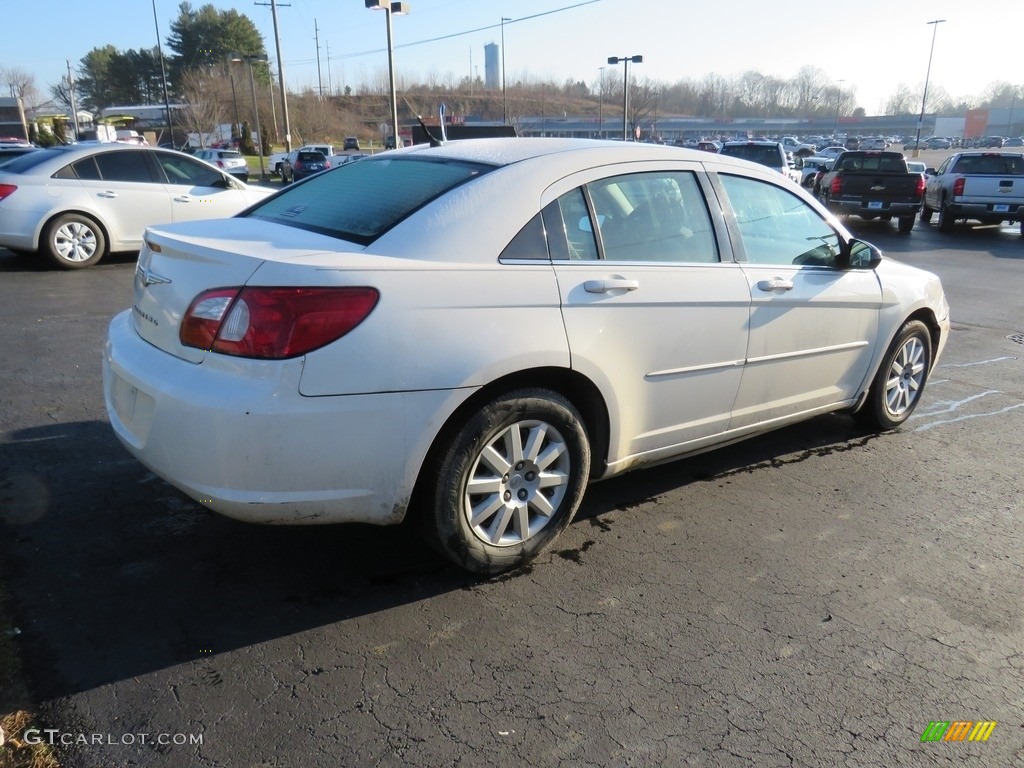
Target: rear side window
361	201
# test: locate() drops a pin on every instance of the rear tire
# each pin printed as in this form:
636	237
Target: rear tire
906	223
509	481
945	218
72	241
900	380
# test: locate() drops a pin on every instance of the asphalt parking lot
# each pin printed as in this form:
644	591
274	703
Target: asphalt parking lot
813	597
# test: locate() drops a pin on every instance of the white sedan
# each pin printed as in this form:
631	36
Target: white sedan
76	203
472	333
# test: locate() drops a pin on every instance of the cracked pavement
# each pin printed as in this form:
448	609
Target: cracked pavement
812	597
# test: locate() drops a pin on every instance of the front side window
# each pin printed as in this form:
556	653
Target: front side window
182	169
659	216
777	227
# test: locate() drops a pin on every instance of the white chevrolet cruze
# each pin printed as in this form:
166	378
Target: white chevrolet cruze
74	204
471	333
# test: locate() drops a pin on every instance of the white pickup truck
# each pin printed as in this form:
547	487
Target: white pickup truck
797	148
983	186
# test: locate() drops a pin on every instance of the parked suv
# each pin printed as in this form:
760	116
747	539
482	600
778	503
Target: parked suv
351	142
301	163
228	160
768	153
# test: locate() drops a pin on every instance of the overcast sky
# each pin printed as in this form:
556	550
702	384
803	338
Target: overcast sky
871	46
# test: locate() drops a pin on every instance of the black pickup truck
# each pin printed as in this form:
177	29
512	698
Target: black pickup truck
873	185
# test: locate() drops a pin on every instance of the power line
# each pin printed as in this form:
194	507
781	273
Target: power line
454	34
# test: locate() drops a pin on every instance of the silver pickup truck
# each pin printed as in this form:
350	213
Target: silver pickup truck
984	186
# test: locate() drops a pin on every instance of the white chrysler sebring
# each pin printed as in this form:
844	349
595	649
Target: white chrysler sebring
470	333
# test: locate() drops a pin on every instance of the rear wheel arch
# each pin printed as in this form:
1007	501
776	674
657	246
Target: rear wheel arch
45	248
575	387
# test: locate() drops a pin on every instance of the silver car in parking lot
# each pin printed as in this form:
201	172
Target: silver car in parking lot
73	204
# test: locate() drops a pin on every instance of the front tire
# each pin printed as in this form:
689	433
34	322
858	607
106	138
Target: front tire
926	214
900	380
906	223
72	241
509	481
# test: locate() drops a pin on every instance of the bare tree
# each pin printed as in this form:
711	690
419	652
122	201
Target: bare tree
206	104
23	84
901	102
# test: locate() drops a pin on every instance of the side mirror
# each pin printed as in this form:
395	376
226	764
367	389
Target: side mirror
861	255
931	171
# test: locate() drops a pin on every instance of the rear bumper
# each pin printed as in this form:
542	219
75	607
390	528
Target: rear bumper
861	207
237	436
986	210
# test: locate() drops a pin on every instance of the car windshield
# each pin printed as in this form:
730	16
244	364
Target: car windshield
312	157
756	153
361	201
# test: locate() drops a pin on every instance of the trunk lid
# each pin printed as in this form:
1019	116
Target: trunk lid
180	261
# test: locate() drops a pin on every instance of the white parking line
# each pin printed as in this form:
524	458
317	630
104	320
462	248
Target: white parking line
980	362
924	427
948	406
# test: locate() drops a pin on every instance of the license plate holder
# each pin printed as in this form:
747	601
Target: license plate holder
124	396
1001	208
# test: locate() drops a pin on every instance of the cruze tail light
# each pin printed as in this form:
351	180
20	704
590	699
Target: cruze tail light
274	323
6	190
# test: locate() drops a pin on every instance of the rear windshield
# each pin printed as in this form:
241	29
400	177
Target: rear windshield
29	161
756	153
229	153
1002	165
312	157
361	201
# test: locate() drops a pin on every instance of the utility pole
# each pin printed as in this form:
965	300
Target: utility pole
74	106
319	77
280	76
16	94
330	85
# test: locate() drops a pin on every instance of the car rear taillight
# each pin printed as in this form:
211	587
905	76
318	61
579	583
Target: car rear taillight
958	187
274	323
6	190
920	186
297	165
837	185
220	163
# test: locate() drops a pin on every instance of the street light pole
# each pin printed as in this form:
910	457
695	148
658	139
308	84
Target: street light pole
625	87
234	100
504	97
391	7
924	97
249	59
839	100
600	106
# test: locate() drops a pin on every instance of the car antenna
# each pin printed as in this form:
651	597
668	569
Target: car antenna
434	141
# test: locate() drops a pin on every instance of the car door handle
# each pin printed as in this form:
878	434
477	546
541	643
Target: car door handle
610	284
108	193
183	199
775	284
